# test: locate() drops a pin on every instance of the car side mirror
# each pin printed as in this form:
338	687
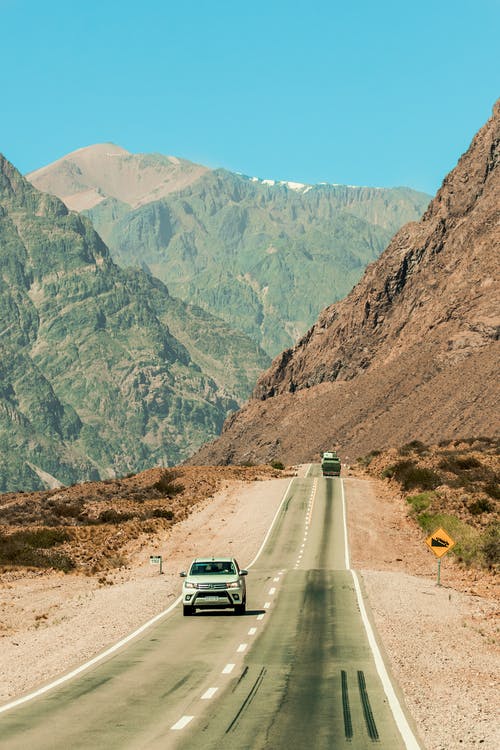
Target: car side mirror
243	572
183	574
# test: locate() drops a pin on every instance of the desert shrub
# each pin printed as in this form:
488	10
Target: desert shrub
411	476
110	515
491	545
415	446
482	505
166	484
277	465
65	508
421	501
366	460
458	464
30	548
492	489
162	513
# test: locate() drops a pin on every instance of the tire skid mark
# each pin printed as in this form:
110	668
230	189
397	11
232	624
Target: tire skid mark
345	706
367	709
249	698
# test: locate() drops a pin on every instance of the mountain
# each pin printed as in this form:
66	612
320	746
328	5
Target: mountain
102	371
88	176
411	353
264	256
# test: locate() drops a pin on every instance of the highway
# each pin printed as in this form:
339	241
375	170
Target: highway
297	671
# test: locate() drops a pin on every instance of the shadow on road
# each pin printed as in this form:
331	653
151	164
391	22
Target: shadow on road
229	613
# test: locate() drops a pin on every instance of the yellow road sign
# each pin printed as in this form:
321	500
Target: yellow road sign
440	542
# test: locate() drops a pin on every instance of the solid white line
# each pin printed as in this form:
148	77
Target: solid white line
88	664
308	470
209	694
272	591
183	722
252	631
344	520
228	669
271	526
242	647
399	717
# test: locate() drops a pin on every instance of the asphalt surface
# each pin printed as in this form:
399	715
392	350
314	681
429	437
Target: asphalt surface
295	672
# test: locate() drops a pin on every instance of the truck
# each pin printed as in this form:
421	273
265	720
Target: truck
330	464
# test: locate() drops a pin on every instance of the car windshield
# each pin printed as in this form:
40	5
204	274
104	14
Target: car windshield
212	567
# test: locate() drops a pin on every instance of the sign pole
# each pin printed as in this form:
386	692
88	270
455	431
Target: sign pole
161	565
439	572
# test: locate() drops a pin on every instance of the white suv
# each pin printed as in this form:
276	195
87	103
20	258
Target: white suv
214	583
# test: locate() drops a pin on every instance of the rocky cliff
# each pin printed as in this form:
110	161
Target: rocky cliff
411	352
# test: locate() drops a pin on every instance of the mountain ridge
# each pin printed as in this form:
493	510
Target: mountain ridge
410	353
250	251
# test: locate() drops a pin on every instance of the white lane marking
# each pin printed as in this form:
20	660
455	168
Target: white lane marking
401	721
308	470
252	631
267	605
228	669
261	616
275	580
209	694
88	664
399	717
242	647
272	591
271	526
183	722
344	519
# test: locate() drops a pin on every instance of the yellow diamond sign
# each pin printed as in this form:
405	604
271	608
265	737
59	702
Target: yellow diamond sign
440	542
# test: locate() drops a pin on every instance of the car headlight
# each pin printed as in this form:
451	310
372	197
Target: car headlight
234	585
189	585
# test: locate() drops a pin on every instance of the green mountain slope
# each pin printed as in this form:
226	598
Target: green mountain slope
264	256
93	381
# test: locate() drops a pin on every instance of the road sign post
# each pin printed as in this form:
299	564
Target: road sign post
156	560
440	542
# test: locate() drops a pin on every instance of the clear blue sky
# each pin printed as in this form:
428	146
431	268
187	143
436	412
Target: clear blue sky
357	92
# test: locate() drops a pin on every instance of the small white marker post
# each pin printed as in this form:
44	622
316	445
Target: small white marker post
156	560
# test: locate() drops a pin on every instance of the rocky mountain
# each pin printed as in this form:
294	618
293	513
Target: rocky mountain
410	353
102	371
264	256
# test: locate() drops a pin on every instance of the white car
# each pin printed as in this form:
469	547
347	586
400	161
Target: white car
214	583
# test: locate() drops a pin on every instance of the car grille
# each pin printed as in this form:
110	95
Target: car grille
212	586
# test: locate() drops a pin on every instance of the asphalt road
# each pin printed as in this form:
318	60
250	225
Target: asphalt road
295	672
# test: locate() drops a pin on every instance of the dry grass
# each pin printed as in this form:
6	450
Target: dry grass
91	524
457	487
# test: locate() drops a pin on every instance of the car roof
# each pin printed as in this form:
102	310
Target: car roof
221	558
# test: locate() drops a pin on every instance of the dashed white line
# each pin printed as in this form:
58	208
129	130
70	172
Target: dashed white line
261	616
209	694
183	722
228	669
252	631
275	580
242	647
267	605
272	591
